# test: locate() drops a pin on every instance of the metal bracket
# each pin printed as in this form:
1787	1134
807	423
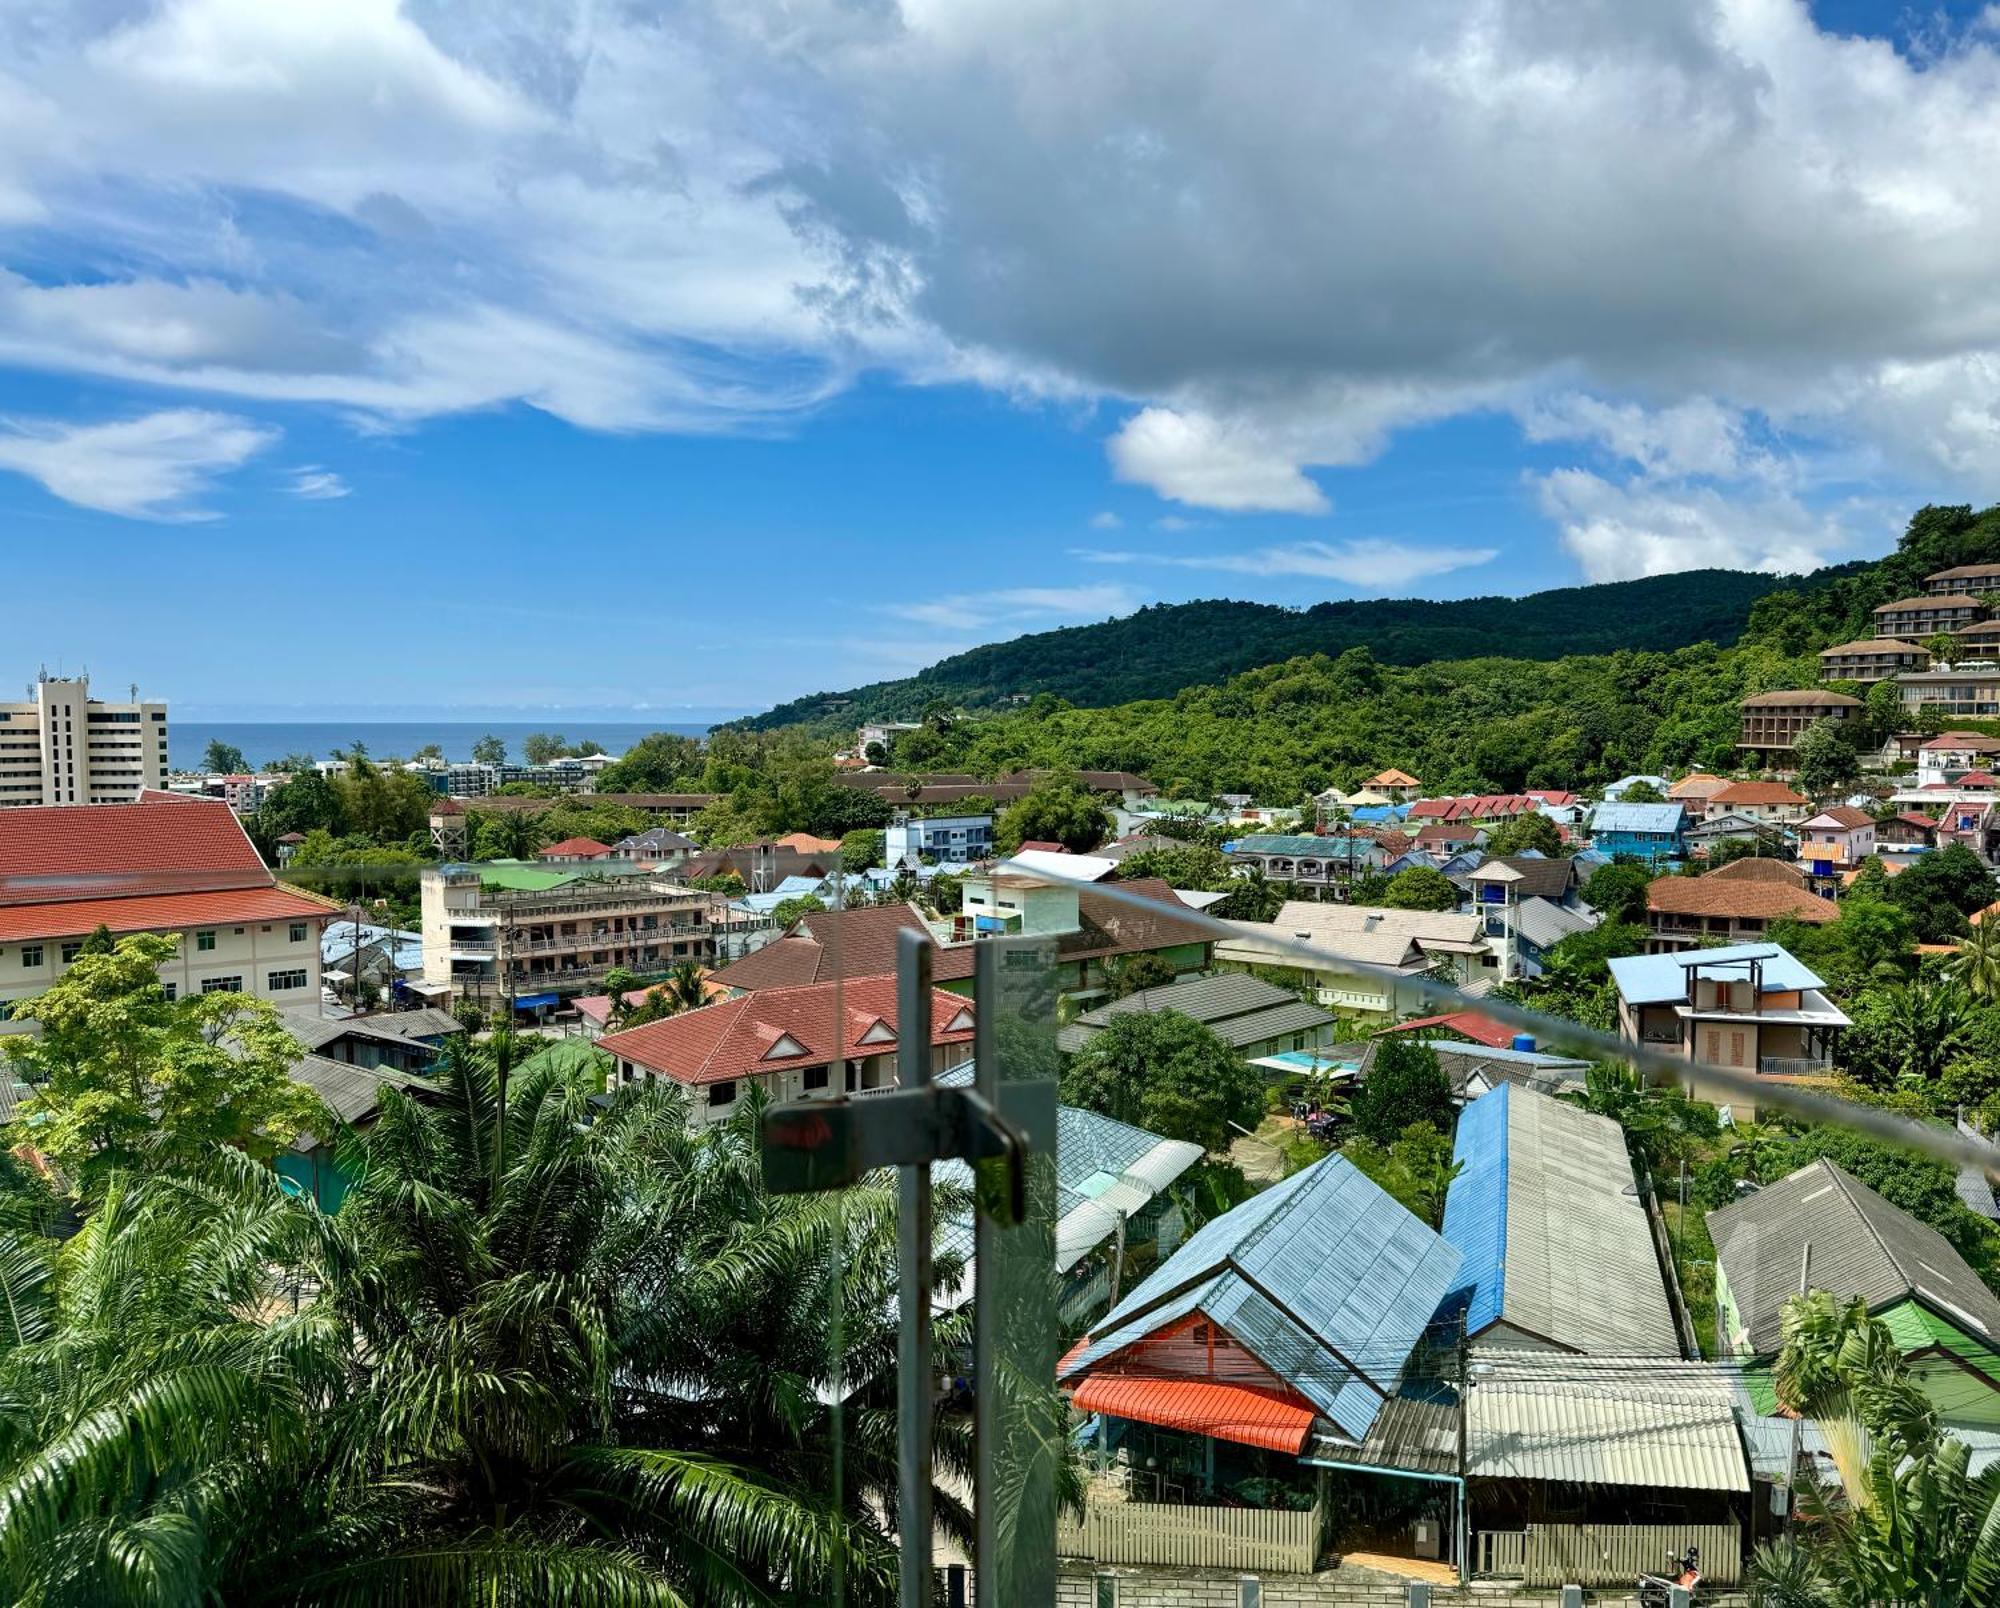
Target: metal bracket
829	1144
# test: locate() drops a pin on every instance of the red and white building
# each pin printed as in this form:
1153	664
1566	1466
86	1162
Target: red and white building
793	1043
162	864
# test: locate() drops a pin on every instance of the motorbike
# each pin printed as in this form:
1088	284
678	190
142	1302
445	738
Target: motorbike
1655	1591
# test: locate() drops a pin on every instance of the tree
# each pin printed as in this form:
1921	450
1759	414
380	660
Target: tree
1976	966
306	803
384	806
1200	867
1642	793
541	747
126	1078
1617	891
1926	1189
489	750
787	911
507	834
223	759
618	982
1534	830
1824	756
1583	959
861	850
1251	897
1404	1084
1055	812
1168	1074
1940	889
1128	974
663	762
1421	887
1417	1169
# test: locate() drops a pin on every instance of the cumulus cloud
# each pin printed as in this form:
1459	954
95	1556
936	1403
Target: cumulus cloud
1368	562
1003	605
146	468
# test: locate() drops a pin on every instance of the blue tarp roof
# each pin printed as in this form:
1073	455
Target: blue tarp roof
1656	979
1636	818
1325	1278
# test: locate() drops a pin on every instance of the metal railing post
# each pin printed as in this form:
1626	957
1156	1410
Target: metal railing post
914	1401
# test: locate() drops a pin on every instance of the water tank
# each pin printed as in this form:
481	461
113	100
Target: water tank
1524	1041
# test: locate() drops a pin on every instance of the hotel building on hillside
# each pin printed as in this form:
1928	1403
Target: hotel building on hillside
59	745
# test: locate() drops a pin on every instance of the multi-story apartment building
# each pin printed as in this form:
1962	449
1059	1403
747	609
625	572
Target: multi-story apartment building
1912	619
949	839
1971	691
1974	580
59	745
1871	659
162	864
1772	721
532	936
473	780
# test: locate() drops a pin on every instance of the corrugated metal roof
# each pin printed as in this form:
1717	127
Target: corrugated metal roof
1862	1246
1656	979
1324	1277
1543	922
1553	1244
1636	818
1412	1433
1241	1413
1661	1425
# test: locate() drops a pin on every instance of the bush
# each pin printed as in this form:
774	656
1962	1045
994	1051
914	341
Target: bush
1404	1084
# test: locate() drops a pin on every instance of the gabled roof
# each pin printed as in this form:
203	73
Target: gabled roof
1971	742
778	1029
1324	1278
1845	817
1740	898
1806	698
1662	979
1914	605
1551	1244
1757	793
576	848
1757	868
1861	1247
1240	1008
1532	876
1544	923
1392	778
1650	818
1480	1029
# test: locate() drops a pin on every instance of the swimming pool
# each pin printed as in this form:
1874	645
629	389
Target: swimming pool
1303	1063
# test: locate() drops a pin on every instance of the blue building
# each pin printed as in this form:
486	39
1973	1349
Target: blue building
1649	832
946	839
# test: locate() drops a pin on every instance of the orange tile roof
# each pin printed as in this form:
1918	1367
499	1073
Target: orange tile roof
1755	868
577	846
1757	793
1277	1420
1392	778
1733	896
171	912
806	843
1698	784
161	843
740	1037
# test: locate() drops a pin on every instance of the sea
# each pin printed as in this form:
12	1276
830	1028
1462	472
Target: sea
188	740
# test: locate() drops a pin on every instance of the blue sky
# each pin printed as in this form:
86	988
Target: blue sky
409	358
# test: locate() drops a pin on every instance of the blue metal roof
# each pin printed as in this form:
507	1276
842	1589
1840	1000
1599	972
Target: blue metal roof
1475	1210
1324	1277
1636	818
1656	979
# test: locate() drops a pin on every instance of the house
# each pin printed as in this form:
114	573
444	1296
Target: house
309	1168
574	851
1914	619
1446	838
394	1041
1836	840
1771	721
360	953
1772	803
1358	952
657	846
1861	1248
1686	912
1973	580
1649	832
159	864
1693	791
1476	1069
1752	1007
1556	1252
1526	905
760	866
1720	826
1275	1338
806	843
1252	1016
946	839
1973	690
1495	807
1907	829
1951	754
1396	785
1871	659
1327	862
788	1043
1615	791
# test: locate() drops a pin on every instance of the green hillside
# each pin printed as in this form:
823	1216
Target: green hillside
1285	730
1164	648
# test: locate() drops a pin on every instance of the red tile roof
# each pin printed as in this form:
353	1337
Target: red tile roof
1737	900
1487	806
576	848
160	843
1976	779
1470	1024
170	912
1046	848
778	1029
1971	741
1251	1415
1757	793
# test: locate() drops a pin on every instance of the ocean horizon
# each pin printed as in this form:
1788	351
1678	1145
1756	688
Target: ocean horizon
265	740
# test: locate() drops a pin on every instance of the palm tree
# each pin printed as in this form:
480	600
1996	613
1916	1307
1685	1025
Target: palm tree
510	834
686	987
1976	966
1925	1027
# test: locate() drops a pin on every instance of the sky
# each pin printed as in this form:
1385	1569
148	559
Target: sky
534	356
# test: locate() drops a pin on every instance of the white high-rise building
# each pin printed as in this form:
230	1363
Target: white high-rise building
62	746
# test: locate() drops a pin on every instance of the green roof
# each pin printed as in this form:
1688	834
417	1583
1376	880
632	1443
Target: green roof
523	878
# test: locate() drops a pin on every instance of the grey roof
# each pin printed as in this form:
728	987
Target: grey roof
1324	1278
1544	923
1861	1246
1534	1069
350	1092
1669	1425
1239	1008
1258	942
1415	1433
1661	979
1664	819
1535	876
1973	1186
314	1031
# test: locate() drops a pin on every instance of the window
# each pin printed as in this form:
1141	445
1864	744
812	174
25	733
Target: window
279	982
31	955
815	1077
204	940
71	950
222	985
722	1094
173	991
297	932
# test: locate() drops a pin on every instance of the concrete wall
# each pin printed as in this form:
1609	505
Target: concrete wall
1141	1588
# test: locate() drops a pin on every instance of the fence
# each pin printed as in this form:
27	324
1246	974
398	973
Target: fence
1256	1539
1604	1554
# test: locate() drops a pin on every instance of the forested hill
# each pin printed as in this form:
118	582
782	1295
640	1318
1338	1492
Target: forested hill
1164	648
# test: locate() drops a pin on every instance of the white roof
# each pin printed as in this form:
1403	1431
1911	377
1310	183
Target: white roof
1070	867
1313	921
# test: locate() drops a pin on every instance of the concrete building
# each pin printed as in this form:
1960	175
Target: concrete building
535	935
59	745
1771	803
1974	690
1526	904
1974	580
1912	619
160	864
1772	721
1871	659
947	839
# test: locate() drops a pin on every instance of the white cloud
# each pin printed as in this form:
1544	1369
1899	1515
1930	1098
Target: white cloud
1105	520
1619	532
1699	436
1003	605
314	484
1368	562
1203	461
152	467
